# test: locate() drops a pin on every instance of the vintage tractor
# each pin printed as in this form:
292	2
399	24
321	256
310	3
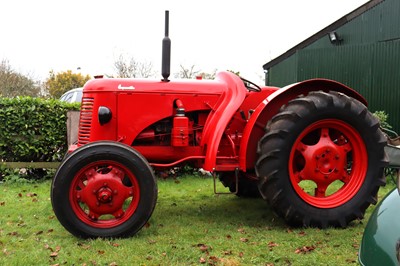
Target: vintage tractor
311	149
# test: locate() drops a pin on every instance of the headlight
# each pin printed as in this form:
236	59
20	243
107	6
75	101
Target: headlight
104	114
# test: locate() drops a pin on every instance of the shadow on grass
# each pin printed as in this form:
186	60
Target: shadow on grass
194	208
216	211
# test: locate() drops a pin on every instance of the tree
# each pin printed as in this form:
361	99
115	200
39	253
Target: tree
237	73
205	75
187	73
192	73
131	68
14	84
58	84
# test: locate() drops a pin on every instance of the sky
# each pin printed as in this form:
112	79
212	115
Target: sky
88	36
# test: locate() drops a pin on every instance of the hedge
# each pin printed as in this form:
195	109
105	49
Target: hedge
33	129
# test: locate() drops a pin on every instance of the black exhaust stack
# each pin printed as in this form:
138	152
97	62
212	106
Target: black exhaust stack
166	51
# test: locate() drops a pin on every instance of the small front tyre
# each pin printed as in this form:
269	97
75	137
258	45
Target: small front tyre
104	189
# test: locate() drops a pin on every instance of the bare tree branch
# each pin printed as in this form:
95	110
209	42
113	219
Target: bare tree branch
187	73
192	73
130	68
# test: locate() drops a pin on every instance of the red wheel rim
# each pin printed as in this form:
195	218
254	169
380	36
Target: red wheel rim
328	163
104	194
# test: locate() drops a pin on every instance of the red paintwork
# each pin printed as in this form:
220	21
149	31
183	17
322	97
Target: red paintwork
328	151
180	131
267	108
221	115
212	134
98	194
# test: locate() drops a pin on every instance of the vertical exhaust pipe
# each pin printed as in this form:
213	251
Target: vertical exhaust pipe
166	51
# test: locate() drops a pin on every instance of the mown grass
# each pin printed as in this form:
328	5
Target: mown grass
190	226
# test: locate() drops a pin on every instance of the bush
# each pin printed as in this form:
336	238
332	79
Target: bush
33	129
383	118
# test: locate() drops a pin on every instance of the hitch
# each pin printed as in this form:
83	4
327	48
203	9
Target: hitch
392	147
393	153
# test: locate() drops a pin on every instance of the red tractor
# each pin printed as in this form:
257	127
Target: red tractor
312	149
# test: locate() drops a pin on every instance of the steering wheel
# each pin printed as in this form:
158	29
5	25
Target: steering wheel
250	86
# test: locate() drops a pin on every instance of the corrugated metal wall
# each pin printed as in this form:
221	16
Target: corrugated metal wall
368	59
284	73
373	70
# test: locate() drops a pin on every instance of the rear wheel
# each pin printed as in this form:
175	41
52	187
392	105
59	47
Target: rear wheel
321	160
104	189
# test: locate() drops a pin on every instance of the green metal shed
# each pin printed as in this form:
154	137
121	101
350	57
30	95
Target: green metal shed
361	50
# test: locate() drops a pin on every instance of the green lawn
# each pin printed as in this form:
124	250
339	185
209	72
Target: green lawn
190	226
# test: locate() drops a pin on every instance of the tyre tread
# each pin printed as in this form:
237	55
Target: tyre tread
270	162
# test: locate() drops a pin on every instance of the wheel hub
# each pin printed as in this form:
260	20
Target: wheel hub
104	195
327	162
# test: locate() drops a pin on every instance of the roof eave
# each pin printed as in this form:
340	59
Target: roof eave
332	27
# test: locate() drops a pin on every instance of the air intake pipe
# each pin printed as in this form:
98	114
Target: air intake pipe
166	51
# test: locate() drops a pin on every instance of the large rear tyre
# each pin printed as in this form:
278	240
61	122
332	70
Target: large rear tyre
321	160
104	189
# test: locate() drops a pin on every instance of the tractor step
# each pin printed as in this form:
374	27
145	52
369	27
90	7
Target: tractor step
227	193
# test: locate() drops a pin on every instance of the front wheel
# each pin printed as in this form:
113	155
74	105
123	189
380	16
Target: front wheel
104	189
321	160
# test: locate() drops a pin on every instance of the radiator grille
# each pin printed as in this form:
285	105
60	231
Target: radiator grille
85	121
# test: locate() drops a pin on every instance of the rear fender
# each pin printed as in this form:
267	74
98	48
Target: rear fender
255	128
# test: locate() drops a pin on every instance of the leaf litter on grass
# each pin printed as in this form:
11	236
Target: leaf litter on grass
226	231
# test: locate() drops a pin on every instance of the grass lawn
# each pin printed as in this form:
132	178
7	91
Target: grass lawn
190	226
